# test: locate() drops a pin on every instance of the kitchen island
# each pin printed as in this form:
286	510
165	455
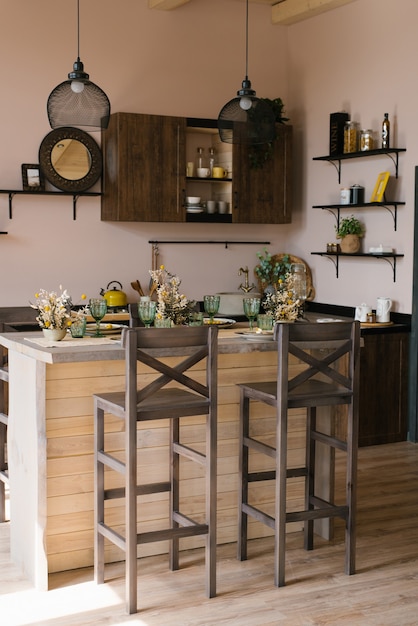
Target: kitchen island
51	447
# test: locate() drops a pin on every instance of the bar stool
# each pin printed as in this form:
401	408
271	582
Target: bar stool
134	319
157	399
326	373
4	421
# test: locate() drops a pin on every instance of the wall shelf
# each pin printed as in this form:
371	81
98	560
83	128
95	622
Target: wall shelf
336	208
75	195
335	159
389	257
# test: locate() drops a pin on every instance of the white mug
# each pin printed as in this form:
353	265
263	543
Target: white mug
382	310
362	312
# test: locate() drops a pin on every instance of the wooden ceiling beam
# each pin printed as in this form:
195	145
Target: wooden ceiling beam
292	11
166	5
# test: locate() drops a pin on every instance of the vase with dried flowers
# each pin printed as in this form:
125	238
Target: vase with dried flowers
283	304
171	303
55	312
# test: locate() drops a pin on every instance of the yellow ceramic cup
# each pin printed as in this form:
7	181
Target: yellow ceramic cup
219	172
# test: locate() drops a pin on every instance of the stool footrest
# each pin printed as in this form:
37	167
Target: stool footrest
112	535
330	441
170	533
258	446
258	515
141	490
329	511
4	419
111	461
189	453
293	472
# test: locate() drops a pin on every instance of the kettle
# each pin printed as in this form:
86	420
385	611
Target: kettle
114	297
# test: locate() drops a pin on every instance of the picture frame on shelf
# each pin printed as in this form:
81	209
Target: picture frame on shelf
32	178
380	187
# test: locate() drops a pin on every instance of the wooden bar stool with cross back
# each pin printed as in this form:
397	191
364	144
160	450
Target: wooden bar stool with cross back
318	365
194	373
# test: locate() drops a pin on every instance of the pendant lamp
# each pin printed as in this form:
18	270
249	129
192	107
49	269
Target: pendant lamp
77	102
246	119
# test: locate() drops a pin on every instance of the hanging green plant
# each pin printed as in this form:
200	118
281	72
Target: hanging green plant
261	153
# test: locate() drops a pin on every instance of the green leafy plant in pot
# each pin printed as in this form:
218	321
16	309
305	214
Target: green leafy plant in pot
259	154
350	230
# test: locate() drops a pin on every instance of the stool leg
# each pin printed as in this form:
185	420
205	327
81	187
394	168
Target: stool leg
351	490
99	496
244	425
130	514
175	491
280	505
308	526
211	497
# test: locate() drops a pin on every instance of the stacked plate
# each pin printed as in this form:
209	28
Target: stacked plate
193	204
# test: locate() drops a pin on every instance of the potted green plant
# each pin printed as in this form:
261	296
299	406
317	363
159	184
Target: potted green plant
260	153
350	230
271	270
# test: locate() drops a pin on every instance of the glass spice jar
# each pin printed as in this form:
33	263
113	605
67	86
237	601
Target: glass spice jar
366	140
350	137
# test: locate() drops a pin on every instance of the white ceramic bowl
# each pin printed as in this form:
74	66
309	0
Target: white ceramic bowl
192	199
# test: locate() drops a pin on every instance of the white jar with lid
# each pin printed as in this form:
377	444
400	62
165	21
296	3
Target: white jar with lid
345	195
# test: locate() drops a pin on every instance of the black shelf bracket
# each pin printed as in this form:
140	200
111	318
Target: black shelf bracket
335	160
75	195
335	209
11	196
335	257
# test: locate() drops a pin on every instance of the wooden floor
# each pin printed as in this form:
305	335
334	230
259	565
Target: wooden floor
384	592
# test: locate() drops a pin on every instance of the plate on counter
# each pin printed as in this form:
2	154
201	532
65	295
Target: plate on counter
253	335
220	322
106	329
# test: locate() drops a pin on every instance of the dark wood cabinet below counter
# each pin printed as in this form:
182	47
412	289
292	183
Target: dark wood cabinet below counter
384	388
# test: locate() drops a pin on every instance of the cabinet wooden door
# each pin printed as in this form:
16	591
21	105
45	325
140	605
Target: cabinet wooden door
264	195
383	389
144	168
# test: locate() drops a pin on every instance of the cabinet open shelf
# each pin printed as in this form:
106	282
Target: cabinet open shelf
336	208
389	257
209	217
209	180
75	195
335	159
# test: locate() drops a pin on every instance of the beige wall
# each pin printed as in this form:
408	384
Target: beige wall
191	62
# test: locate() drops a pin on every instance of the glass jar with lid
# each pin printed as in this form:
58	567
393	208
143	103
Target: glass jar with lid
366	140
350	137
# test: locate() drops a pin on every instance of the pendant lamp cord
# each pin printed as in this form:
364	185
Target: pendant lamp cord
78	30
246	43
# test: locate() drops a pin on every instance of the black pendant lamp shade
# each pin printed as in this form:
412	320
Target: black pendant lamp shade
246	119
77	102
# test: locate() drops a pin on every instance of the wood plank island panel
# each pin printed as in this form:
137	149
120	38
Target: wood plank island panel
69	432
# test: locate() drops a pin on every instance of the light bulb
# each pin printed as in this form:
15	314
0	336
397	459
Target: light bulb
77	86
245	103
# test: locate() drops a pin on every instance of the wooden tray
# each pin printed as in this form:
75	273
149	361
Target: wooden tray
310	290
374	324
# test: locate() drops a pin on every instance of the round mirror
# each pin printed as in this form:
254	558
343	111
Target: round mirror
70	159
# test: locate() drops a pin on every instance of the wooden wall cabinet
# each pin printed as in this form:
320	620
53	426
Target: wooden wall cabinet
144	168
144	177
264	195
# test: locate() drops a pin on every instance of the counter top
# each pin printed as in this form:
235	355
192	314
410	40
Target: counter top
71	350
108	348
